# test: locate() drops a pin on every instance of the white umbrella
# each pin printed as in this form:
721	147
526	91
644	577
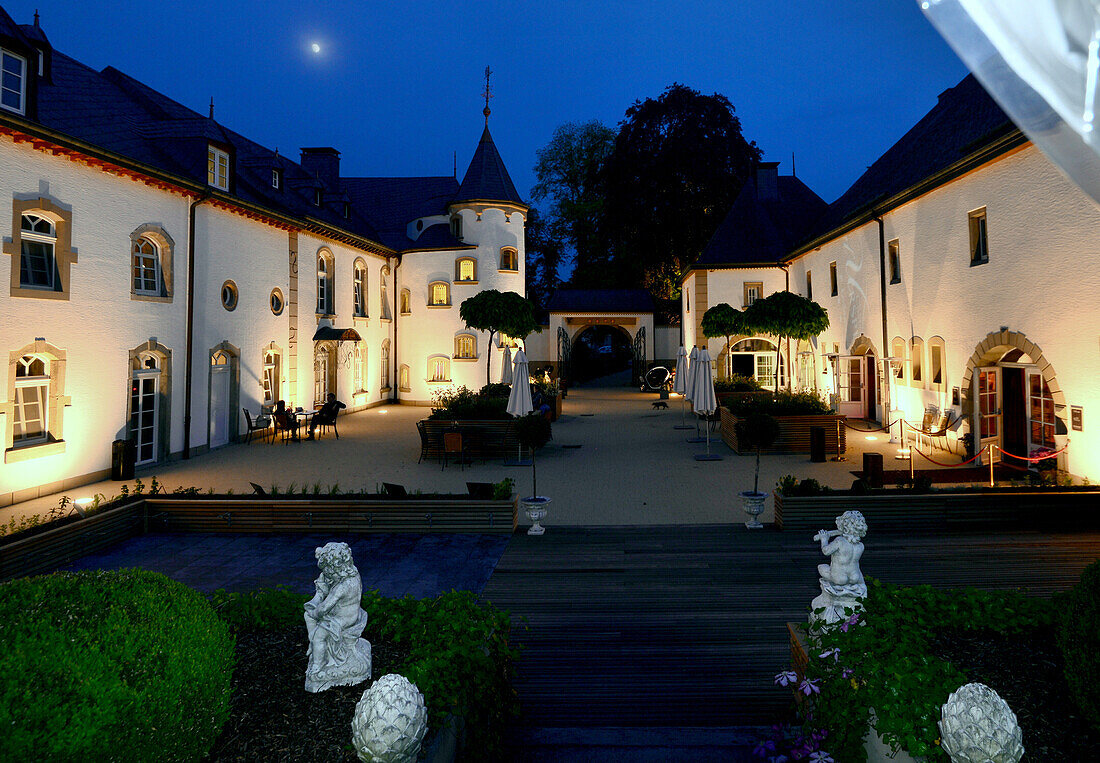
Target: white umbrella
689	387
506	366
519	399
704	400
679	385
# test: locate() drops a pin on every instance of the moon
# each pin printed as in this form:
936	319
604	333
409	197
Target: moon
315	47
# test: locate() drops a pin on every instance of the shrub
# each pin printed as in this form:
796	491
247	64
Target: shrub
464	404
124	665
791	486
737	383
533	430
496	389
1079	640
783	403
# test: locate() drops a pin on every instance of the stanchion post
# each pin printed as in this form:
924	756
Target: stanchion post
989	455
911	466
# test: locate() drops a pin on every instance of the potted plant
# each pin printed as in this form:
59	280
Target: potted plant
758	431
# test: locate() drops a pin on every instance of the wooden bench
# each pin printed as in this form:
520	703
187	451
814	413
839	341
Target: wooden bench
482	439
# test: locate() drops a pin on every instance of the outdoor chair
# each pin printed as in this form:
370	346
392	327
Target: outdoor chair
322	423
260	425
929	419
282	424
453	446
423	441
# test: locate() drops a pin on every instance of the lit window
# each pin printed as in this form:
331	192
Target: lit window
753	292
146	266
357	369
217	168
832	279
347	210
509	259
936	354
384	310
385	364
406	302
466	270
439	293
979	239
916	362
893	250
809	286
271	377
229	295
32	394
13	82
360	289
438	370
1041	412
465	346
38	267
321	374
897	350
324	283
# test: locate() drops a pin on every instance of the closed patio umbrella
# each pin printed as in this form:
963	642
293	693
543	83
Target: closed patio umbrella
689	388
506	366
704	402
519	399
679	385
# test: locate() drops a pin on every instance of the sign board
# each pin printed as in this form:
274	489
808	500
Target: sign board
1076	417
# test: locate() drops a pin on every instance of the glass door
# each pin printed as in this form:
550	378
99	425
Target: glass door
1040	413
989	409
852	401
144	393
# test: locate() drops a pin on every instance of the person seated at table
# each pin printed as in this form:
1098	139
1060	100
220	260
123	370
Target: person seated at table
326	414
285	419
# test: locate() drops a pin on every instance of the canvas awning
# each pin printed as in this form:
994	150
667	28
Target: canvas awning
336	335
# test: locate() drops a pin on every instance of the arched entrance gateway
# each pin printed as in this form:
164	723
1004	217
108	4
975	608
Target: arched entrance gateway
608	329
1012	397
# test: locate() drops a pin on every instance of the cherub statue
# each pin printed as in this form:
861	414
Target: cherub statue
337	655
842	586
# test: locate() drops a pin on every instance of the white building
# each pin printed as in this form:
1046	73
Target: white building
167	273
959	273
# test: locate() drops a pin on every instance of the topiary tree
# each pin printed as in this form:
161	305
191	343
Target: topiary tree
499	312
724	320
757	431
533	431
1079	640
787	315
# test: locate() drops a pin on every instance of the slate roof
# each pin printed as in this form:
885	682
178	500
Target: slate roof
600	301
112	111
762	232
487	178
964	120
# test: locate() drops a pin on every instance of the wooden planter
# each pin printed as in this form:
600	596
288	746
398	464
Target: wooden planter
794	433
1003	508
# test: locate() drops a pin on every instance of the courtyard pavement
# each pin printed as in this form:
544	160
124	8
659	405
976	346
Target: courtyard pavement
613	460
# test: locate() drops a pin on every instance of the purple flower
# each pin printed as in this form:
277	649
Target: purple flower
821	757
764	748
850	622
786	678
847	673
834	653
809	687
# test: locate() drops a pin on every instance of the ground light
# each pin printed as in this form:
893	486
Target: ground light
870	437
82	505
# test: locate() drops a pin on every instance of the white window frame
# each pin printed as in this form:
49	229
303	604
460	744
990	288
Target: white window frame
439	369
5	90
359	290
135	257
46	240
277	179
41	383
324	284
357	368
217	168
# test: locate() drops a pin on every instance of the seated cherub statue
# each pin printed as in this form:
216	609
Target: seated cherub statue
335	621
842	584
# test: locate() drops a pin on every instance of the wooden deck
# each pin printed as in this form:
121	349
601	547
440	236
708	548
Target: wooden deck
685	626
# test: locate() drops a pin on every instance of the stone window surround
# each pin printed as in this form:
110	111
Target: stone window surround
234	354
833	281
232	286
972	222
324	253
446	369
384	365
360	267
165	250
275	349
893	260
916	363
504	250
403	375
458	269
55	443
465	358
431	288
64	254
164	404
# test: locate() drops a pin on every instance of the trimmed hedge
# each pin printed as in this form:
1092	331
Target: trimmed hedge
125	665
1079	640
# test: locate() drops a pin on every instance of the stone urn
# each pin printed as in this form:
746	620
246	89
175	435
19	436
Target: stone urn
535	507
753	504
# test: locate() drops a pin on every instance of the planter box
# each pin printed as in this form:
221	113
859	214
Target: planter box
1003	508
794	433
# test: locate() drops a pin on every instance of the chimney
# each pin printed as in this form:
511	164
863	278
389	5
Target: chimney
323	163
767	181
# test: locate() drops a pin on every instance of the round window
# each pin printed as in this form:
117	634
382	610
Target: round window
276	301
229	295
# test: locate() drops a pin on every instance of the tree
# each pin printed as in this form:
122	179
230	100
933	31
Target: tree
543	253
787	315
678	163
723	320
568	172
757	431
499	312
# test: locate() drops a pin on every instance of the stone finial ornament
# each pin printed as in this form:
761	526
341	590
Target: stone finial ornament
842	584
977	726
390	721
337	655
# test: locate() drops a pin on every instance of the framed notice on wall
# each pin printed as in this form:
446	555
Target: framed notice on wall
954	396
1076	418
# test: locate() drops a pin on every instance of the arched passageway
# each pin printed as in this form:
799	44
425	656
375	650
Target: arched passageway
600	350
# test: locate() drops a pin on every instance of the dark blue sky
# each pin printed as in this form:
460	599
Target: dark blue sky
396	87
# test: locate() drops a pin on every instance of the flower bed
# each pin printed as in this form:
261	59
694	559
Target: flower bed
794	433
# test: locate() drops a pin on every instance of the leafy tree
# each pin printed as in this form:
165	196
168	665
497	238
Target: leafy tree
678	163
499	312
544	253
568	176
723	320
787	315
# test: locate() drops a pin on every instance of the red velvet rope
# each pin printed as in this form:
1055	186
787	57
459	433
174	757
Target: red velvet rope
940	463
1033	459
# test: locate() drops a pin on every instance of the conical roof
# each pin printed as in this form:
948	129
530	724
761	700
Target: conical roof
487	178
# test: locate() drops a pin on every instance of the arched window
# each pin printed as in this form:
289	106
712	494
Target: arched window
916	362
755	358
146	266
383	277
403	379
937	357
360	295
439	294
321	371
385	364
38	266
897	350
465	346
439	369
465	269
40	245
509	259
151	263
406	302
324	284
32	395
271	380
357	368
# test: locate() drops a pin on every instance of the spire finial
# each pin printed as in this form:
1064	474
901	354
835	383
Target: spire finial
488	94
36	18
793	173
211	107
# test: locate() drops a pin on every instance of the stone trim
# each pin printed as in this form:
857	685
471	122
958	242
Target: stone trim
165	249
64	254
57	403
234	353
991	349
164	403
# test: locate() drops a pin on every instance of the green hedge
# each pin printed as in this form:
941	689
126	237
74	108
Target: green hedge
886	662
782	403
463	404
459	654
1079	640
125	665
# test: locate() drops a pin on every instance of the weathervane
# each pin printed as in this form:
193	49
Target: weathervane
488	94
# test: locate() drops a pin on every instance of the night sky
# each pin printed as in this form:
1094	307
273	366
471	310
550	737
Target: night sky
397	86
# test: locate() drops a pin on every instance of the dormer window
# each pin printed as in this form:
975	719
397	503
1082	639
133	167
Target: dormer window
277	179
217	168
13	82
347	210
456	227
316	197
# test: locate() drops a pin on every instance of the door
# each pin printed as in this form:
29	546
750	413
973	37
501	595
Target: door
1014	414
850	379
219	404
870	380
1040	413
988	389
144	395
